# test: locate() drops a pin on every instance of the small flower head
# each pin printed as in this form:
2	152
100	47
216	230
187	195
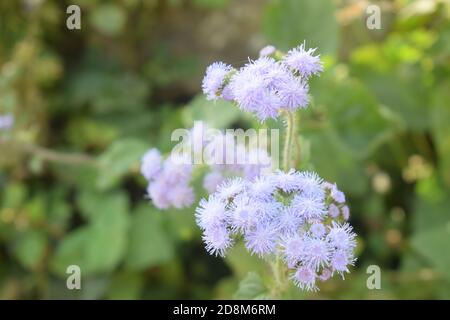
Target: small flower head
217	240
267	51
305	278
211	213
261	240
151	164
214	79
303	61
181	196
341	236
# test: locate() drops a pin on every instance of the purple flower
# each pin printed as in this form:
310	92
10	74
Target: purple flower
151	164
345	213
303	61
292	248
158	193
267	51
340	261
217	240
181	196
316	253
308	207
287	222
261	240
293	94
305	278
214	79
211	213
341	236
333	211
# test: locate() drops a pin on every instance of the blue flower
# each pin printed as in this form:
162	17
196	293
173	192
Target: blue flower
261	240
303	61
214	79
217	240
305	278
151	163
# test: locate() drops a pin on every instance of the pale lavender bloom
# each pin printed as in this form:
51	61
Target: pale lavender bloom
267	51
293	94
325	275
211	213
340	261
177	169
345	213
337	195
217	240
333	211
244	215
212	180
303	61
181	196
309	207
6	121
151	164
262	188
317	230
287	181
287	222
305	278
316	253
311	185
341	236
292	248
214	79
227	93
261	240
230	188
158	192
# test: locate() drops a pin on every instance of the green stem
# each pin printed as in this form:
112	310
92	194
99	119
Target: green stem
288	142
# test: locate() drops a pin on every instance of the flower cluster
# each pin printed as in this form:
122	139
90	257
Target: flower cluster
292	214
168	180
267	85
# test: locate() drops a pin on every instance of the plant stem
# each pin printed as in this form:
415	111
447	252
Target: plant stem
288	143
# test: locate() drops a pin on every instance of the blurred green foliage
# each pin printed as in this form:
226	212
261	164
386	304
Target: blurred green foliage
87	104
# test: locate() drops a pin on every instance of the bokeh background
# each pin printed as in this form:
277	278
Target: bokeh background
87	104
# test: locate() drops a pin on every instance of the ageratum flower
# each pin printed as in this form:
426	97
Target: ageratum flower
303	61
214	79
265	86
289	214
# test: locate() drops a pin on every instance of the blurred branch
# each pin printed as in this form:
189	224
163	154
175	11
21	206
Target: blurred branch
54	156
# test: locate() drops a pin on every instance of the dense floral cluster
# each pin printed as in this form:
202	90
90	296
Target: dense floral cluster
169	180
292	214
267	85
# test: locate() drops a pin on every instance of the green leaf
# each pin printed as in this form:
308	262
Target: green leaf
251	287
30	248
118	160
149	244
433	245
100	245
354	113
440	128
287	23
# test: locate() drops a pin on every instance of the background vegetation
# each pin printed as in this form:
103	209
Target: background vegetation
87	104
